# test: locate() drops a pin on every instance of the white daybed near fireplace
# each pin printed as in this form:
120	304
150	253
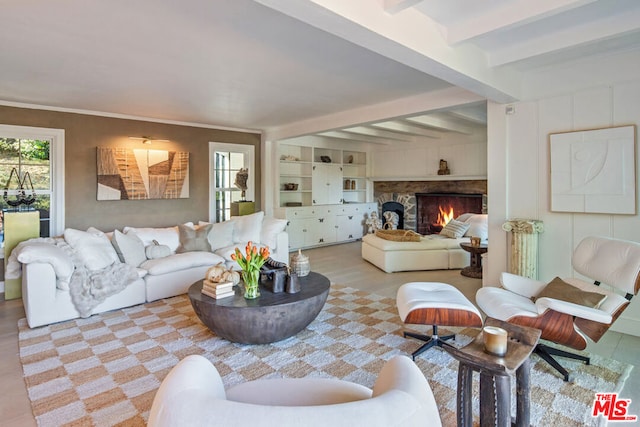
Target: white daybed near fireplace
432	252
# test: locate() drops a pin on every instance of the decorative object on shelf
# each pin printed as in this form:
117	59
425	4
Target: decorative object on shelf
289	158
290	186
325	159
347	184
21	197
300	264
350	159
373	223
353	184
391	220
293	204
444	168
250	265
158	174
241	181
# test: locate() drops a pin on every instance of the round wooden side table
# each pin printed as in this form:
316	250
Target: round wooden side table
475	253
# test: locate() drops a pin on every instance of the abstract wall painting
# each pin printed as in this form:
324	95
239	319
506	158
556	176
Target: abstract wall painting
593	171
136	174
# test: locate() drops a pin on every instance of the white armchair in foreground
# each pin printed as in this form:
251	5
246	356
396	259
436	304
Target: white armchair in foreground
568	311
193	394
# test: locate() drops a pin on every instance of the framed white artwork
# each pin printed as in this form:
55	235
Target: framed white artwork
593	171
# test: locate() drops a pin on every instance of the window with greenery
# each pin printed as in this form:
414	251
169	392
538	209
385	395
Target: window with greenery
31	160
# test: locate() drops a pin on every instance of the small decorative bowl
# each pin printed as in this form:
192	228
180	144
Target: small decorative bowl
290	186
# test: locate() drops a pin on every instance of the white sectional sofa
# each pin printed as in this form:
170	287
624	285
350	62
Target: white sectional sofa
160	263
432	252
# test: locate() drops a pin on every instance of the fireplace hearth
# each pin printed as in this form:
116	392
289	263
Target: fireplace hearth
434	210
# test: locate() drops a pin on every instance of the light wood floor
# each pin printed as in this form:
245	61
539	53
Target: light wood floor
343	265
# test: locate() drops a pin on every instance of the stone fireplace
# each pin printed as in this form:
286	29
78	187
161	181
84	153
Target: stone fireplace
469	195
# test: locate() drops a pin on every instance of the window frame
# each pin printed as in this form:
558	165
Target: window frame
56	164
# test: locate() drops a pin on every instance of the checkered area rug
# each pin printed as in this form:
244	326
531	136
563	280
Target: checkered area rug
105	370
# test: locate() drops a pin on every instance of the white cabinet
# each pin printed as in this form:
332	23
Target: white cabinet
311	176
327	184
310	226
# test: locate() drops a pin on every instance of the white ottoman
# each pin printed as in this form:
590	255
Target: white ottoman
436	304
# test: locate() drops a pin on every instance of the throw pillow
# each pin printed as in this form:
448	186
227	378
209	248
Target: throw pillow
271	227
221	234
92	247
129	247
561	290
247	228
478	226
164	235
454	229
194	239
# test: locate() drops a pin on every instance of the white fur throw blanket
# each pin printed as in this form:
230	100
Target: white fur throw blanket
87	288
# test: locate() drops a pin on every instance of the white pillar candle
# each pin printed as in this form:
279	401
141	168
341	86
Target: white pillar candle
495	340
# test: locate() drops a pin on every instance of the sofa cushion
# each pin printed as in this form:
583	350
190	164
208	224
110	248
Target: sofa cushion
48	253
194	239
129	248
92	247
247	228
177	262
271	227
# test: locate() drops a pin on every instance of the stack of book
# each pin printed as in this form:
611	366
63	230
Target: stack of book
217	290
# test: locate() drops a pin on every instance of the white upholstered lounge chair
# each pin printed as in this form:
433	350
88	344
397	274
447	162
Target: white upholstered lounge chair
613	265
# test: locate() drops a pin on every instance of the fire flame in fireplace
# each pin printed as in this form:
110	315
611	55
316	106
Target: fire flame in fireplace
444	217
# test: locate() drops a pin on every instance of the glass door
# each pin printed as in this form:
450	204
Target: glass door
226	180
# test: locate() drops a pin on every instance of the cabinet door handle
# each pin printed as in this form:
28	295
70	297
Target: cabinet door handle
351	216
321	219
321	241
288	223
351	236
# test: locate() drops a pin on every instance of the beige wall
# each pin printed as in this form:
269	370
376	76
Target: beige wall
83	133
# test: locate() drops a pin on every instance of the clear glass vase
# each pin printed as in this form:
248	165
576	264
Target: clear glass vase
251	279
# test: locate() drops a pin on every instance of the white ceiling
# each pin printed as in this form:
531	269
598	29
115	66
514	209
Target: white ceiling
276	65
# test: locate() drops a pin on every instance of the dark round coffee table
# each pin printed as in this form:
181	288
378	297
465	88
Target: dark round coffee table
266	319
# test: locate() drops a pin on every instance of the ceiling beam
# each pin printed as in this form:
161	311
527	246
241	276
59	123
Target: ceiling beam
410	38
396	6
403	107
338	134
398	126
510	15
473	116
439	122
605	28
364	130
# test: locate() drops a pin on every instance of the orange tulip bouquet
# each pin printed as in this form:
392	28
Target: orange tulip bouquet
250	263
